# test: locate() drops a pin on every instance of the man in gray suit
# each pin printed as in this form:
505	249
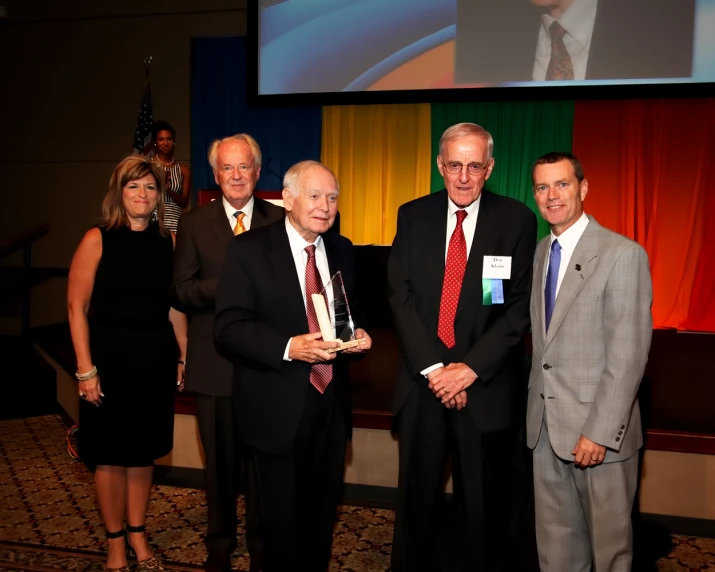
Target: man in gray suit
591	331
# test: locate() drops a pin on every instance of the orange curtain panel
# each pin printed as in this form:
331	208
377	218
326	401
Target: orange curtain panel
649	164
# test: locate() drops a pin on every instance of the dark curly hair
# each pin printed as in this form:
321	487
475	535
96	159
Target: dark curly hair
162	126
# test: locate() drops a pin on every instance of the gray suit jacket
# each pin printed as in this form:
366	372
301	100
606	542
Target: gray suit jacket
587	368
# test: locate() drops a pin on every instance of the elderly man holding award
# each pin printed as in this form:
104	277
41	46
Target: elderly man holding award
290	377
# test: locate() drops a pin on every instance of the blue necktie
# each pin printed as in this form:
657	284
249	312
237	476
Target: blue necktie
552	279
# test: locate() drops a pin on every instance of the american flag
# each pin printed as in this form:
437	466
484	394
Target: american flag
142	136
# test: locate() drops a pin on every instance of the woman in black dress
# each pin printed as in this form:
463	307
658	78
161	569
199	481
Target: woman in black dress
126	349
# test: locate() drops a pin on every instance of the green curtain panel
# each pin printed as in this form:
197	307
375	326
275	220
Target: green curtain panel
522	131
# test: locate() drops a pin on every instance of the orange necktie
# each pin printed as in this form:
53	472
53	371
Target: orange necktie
239	228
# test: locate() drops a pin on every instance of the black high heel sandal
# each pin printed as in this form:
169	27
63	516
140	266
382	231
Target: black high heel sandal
153	563
112	536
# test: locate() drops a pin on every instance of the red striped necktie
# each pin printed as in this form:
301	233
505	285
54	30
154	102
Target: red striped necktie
321	373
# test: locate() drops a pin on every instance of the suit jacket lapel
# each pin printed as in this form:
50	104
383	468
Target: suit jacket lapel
284	266
584	256
331	251
221	228
486	235
434	246
258	218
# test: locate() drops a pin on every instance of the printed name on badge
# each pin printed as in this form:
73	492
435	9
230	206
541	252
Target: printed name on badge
498	267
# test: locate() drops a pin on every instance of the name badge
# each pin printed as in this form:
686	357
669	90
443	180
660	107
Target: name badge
497	267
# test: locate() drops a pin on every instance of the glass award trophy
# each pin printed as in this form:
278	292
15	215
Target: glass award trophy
336	322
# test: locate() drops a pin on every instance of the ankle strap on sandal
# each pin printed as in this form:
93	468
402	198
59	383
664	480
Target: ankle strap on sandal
141	528
117	534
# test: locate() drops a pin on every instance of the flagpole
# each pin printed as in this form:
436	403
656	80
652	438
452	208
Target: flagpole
147	63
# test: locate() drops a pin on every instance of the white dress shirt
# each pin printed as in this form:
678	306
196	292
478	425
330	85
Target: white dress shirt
300	258
231	211
568	241
578	21
469	225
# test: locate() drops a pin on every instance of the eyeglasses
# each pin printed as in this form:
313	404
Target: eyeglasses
242	168
454	167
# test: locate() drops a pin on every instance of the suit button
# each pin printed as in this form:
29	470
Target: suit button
620	432
618	439
547	366
623	426
542	395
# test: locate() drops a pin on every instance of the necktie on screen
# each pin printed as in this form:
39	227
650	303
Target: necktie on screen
552	279
452	285
322	373
239	228
560	65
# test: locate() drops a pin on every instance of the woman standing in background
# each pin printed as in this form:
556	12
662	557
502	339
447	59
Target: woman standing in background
177	177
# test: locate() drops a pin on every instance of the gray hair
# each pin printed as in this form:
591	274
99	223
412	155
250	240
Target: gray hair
464	130
294	175
246	138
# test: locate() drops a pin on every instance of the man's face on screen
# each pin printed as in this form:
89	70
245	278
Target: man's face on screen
558	194
236	172
556	7
465	155
552	3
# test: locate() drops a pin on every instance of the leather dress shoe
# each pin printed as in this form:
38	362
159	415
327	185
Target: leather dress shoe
218	561
256	558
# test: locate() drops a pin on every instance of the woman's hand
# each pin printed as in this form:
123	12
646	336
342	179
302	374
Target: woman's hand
180	376
91	390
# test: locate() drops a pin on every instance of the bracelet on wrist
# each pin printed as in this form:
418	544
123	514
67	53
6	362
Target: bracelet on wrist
182	361
87	375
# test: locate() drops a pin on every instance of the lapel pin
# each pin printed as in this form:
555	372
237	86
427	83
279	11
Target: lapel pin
578	268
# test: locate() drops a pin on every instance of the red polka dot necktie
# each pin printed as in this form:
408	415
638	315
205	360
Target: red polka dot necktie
321	373
560	66
452	286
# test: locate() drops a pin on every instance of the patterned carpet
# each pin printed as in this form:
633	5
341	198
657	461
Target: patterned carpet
49	520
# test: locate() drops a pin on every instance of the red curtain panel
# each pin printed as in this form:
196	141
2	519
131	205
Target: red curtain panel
649	164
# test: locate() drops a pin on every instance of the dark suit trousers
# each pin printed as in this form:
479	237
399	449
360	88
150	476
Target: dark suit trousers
299	492
482	474
223	454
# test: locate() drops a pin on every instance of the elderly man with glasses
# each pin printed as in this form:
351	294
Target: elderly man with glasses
460	278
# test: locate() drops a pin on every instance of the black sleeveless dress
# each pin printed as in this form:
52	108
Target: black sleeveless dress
134	348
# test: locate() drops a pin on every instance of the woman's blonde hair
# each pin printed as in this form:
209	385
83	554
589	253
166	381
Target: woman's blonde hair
129	169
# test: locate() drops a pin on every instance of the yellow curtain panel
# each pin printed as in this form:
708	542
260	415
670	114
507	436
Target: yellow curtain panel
382	157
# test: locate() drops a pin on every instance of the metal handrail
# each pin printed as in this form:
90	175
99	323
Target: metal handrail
24	240
20	240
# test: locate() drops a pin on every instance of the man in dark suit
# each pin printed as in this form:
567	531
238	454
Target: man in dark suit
291	395
202	238
460	276
539	40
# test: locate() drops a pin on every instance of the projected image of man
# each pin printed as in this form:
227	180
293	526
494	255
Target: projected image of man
565	40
